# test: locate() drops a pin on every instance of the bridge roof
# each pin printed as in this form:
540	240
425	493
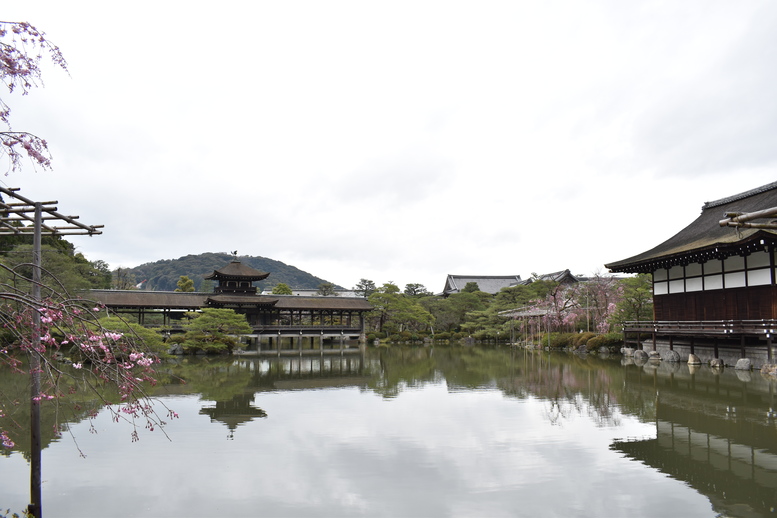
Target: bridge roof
196	300
149	299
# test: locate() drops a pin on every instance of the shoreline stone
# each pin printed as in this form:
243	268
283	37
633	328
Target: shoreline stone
743	364
769	369
671	356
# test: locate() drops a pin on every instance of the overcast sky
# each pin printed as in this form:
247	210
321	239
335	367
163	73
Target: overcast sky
399	141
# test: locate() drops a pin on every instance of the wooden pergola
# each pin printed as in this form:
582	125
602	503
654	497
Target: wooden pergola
22	216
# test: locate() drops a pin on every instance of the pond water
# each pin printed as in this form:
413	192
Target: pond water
423	432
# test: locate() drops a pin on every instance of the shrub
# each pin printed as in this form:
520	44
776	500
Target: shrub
582	338
561	340
608	340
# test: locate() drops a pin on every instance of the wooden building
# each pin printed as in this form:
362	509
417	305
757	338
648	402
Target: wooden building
281	323
714	290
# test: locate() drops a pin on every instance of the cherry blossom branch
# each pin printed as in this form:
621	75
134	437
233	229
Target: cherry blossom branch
75	349
22	47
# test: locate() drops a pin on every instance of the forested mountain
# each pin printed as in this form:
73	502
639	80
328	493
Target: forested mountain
163	275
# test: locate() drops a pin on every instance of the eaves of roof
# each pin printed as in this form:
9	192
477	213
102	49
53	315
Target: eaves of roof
704	238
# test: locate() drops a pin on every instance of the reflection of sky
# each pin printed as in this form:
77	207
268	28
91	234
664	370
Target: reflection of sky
348	452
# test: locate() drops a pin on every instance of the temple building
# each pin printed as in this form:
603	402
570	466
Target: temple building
714	291
282	324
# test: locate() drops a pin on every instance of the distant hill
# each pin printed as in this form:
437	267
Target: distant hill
163	275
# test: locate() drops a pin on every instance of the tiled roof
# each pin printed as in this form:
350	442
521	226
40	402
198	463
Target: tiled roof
562	276
244	300
489	284
155	299
335	303
195	300
238	270
704	237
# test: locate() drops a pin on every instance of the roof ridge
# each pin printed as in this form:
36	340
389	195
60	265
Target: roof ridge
740	196
484	276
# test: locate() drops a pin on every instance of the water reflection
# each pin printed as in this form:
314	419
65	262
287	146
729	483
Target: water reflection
462	431
716	431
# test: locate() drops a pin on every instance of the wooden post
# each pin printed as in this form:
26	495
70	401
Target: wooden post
34	508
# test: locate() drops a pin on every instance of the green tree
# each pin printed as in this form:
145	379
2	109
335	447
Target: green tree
636	299
65	272
389	287
416	290
365	288
99	273
326	289
123	279
470	287
450	313
396	312
185	284
213	330
281	289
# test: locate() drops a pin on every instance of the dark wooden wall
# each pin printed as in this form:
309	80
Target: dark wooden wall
759	302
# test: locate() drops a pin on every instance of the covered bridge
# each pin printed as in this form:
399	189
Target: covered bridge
272	317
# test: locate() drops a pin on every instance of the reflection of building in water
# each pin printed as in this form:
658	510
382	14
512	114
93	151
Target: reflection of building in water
235	412
716	433
735	477
308	372
279	374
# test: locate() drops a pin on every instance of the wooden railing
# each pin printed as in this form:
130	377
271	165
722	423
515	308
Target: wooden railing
719	328
305	330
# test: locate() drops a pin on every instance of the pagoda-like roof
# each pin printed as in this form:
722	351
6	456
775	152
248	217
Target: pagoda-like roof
705	238
238	271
